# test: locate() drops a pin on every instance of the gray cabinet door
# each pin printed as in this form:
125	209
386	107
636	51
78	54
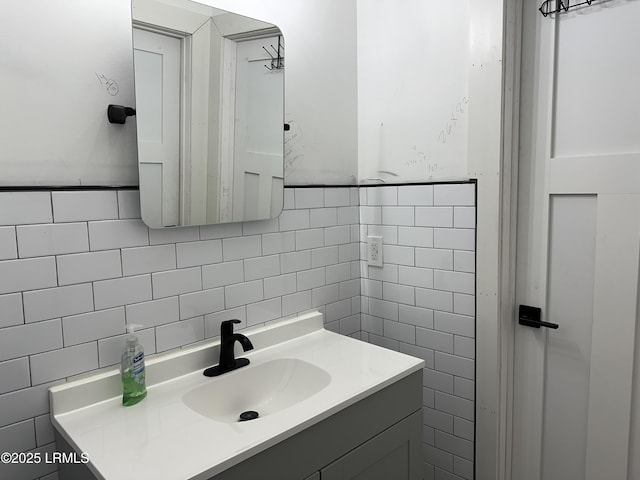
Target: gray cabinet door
394	453
315	476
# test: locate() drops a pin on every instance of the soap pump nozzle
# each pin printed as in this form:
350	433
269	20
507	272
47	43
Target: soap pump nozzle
132	339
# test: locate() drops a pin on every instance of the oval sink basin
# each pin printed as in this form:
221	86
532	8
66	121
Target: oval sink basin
266	388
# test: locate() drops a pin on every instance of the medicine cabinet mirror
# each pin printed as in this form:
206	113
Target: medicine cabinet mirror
209	87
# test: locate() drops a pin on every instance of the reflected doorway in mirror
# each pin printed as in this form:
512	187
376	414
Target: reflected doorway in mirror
211	149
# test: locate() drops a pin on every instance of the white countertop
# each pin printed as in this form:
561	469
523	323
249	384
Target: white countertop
161	438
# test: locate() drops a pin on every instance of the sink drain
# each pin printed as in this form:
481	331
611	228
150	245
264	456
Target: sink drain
248	415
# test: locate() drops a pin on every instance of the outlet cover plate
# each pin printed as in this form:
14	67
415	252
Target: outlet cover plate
374	251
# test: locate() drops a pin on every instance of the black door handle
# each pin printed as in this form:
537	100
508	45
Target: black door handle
530	317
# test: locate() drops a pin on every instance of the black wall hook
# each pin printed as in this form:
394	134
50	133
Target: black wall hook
277	62
119	114
560	6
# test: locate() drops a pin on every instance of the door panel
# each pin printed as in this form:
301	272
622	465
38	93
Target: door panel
615	302
597	111
258	133
578	243
570	302
634	437
157	61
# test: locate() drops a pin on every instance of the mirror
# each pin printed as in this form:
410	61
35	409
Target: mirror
209	87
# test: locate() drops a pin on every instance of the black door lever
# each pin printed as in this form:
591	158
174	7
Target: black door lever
530	317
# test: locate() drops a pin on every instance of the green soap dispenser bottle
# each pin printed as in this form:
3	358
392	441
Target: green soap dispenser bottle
132	370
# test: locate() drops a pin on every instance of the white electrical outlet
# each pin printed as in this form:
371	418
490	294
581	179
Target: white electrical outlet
374	251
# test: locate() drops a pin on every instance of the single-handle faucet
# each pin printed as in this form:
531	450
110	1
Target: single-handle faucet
228	361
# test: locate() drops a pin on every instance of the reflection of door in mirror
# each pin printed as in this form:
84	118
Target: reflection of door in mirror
226	132
258	175
157	83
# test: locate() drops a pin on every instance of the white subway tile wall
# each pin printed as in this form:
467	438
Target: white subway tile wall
422	302
77	266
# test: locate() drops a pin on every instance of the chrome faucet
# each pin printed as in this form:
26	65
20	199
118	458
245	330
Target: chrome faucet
228	362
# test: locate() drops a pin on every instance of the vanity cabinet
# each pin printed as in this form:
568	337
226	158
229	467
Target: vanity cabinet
377	438
385	456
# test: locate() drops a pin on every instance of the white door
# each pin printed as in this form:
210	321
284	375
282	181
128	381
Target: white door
575	411
258	172
157	67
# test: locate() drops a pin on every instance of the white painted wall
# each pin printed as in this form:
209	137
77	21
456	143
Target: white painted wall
406	106
413	71
60	63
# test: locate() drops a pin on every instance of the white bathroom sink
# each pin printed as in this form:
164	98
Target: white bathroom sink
300	374
266	388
